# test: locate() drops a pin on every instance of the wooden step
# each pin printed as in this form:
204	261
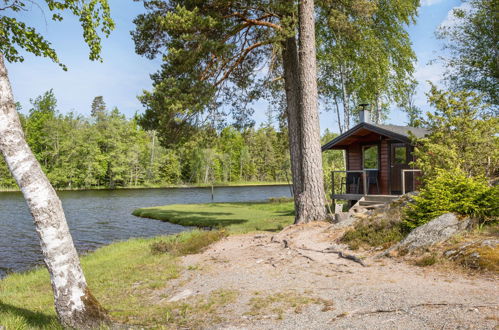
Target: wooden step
370	203
379	198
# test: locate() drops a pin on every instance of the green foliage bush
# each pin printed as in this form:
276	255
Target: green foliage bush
452	192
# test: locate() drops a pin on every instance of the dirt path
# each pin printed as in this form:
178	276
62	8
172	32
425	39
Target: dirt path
296	288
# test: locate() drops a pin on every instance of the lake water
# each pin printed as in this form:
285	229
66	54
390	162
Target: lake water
100	217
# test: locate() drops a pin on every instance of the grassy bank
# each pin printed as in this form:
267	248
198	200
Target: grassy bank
234	217
197	185
123	277
127	276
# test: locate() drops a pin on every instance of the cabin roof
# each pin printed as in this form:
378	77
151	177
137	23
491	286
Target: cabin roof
399	133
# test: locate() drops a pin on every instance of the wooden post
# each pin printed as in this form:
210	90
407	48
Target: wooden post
364	183
332	186
403	182
212	197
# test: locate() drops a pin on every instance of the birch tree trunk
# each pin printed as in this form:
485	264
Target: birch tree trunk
312	198
292	88
346	100
74	304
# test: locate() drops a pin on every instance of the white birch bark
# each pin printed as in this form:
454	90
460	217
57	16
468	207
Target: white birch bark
312	199
74	304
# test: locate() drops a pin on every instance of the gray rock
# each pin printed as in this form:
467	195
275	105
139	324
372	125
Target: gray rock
492	243
436	231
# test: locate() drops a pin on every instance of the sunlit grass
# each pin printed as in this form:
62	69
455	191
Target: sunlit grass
123	277
234	217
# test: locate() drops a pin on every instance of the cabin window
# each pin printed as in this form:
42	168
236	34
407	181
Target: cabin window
400	155
370	157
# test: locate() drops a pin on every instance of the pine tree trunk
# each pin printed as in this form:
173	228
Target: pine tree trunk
74	304
312	198
292	87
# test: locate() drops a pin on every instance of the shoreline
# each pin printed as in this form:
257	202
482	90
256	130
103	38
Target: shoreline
187	186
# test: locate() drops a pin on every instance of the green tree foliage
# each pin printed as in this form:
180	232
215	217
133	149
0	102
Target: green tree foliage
453	192
94	16
213	53
472	42
462	136
364	55
109	150
458	158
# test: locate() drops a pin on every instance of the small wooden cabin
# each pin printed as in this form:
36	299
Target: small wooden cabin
377	160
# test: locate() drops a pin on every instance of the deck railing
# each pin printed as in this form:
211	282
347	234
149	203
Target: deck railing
363	175
364	180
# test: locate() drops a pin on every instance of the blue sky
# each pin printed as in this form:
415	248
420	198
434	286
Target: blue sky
123	74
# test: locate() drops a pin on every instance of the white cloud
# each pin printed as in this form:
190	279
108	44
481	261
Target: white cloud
430	2
451	19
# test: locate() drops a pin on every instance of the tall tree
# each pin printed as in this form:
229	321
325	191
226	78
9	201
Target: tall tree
472	41
98	106
74	304
312	196
212	54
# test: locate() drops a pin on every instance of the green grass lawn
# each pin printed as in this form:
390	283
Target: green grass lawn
126	276
234	217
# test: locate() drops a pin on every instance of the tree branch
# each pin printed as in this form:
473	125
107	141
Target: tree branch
240	59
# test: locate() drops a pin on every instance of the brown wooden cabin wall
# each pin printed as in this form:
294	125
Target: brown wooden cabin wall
354	157
354	162
384	175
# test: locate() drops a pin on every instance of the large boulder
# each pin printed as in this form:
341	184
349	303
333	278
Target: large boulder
436	231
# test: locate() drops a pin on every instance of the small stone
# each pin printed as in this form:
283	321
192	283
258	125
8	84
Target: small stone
182	295
475	255
450	253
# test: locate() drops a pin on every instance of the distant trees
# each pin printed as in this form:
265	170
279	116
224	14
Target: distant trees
109	150
472	41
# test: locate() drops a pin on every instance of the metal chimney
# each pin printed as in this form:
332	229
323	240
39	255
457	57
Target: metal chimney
365	116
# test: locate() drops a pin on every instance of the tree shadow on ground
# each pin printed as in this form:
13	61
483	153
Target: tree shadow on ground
32	319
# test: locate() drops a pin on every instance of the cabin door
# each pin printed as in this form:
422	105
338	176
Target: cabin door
399	160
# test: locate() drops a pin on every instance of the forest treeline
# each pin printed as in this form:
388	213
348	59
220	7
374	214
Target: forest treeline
108	150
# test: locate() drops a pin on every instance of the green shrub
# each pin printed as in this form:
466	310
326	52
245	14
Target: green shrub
452	192
372	232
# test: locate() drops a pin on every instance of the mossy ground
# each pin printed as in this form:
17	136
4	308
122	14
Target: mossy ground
236	218
377	230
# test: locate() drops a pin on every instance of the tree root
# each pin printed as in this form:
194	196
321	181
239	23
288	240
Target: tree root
340	253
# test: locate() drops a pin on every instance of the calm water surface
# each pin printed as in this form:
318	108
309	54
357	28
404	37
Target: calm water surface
100	217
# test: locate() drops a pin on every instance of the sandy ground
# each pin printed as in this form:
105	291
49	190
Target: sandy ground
385	294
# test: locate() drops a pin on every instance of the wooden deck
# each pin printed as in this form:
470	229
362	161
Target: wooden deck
356	197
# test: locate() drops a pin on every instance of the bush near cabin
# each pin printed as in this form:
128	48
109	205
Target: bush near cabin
452	192
458	158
